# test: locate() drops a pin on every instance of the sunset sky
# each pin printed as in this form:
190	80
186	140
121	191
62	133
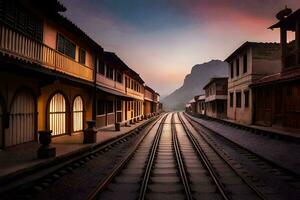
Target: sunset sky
163	39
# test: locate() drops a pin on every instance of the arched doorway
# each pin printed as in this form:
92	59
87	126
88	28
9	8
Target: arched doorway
78	114
57	115
22	120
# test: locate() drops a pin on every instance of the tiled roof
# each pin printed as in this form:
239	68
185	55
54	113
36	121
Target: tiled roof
247	45
213	80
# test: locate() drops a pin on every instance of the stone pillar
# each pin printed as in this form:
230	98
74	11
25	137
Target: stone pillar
117	126
283	45
90	133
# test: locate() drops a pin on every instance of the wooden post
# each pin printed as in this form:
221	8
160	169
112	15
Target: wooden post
283	44
297	38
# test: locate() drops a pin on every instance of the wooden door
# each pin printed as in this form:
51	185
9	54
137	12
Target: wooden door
292	105
22	120
263	106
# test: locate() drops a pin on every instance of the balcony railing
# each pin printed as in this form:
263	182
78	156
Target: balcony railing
23	47
134	93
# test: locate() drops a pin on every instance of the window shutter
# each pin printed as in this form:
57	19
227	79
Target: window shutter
60	43
70	48
82	55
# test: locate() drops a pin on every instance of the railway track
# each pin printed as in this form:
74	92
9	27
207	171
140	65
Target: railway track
172	163
174	158
124	181
230	184
269	179
51	177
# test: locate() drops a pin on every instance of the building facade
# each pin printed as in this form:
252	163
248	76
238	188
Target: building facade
277	96
151	101
200	99
216	97
120	92
47	69
55	77
248	63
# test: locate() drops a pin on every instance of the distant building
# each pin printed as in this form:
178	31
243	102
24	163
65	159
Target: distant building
120	94
151	101
200	104
216	97
156	99
160	107
193	104
248	63
188	108
277	96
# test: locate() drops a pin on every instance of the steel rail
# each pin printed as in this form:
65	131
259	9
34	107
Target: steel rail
151	157
253	188
103	184
205	160
179	160
289	172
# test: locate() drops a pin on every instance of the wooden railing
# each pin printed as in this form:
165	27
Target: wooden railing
20	46
134	93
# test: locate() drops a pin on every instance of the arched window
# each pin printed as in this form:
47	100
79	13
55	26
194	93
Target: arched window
77	114
21	120
57	114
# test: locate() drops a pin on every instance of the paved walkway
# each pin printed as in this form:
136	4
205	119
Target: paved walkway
20	158
282	153
290	132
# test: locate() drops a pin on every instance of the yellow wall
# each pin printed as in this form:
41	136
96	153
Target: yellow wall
50	38
70	92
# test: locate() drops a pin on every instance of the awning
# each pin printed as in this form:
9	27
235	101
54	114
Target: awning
113	92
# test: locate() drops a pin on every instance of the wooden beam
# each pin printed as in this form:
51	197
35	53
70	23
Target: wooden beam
283	45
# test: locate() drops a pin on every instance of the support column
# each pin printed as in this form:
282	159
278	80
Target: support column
297	39
283	44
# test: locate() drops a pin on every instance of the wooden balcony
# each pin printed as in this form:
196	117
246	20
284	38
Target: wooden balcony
109	83
134	94
22	47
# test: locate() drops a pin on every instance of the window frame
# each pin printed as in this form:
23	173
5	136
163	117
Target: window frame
109	72
13	13
110	107
245	63
102	69
237	67
231	99
247	98
119	76
231	70
238	99
82	60
65	39
103	103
